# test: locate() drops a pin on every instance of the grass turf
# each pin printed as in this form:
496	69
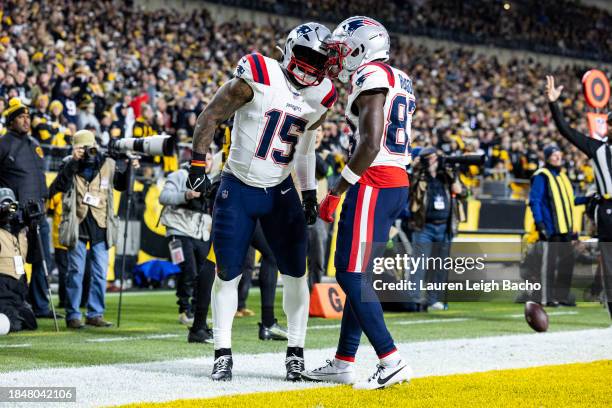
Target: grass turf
569	385
155	313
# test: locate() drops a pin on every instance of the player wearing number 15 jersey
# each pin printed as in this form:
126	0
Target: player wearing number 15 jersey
277	107
380	108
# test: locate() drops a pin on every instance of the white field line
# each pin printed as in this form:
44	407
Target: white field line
484	240
432	321
157	292
568	313
25	345
324	326
125	338
189	378
398	323
142	293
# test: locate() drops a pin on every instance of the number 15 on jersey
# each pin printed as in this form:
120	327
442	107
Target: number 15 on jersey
288	128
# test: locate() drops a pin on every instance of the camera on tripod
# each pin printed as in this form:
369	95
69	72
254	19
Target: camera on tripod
33	211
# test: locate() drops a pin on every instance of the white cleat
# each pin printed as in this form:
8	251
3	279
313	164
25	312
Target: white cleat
331	373
386	376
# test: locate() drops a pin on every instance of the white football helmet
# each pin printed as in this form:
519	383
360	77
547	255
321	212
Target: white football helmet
305	53
356	41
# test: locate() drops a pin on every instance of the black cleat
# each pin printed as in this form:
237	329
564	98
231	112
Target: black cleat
222	369
295	366
203	335
274	332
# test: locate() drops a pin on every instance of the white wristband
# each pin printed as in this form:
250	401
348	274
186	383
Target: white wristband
349	176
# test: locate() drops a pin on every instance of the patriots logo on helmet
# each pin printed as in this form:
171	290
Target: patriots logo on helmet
239	70
303	31
352	26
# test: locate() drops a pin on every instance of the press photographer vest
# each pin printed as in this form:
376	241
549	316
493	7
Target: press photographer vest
74	209
98	187
11	246
562	195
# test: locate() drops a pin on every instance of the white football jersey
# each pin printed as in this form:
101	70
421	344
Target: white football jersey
398	110
268	129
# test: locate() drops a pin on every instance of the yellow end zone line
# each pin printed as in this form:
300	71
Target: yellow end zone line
581	384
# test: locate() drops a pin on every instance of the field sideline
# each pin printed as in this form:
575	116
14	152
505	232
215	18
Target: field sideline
151	348
504	388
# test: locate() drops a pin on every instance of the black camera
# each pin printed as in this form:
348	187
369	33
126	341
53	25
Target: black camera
465	160
8	208
32	211
90	151
8	203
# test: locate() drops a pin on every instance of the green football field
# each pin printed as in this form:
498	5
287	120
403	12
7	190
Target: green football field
149	331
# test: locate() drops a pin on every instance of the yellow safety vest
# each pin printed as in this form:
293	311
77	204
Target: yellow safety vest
562	194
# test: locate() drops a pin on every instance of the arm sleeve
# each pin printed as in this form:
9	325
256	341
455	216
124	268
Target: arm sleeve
586	144
536	195
306	161
173	192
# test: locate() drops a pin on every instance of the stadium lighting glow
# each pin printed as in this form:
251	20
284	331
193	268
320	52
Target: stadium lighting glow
506	6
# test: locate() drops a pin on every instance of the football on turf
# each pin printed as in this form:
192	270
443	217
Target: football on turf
536	316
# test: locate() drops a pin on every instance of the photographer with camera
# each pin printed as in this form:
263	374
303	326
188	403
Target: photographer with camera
434	215
87	180
186	216
13	249
22	169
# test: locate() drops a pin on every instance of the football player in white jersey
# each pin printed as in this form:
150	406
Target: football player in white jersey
277	107
379	108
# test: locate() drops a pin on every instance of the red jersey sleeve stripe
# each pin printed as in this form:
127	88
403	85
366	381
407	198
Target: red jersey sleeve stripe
261	61
387	69
254	71
330	98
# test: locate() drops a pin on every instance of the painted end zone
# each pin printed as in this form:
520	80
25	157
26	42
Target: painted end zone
579	385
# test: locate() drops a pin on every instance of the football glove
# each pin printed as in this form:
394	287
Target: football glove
310	206
328	207
198	180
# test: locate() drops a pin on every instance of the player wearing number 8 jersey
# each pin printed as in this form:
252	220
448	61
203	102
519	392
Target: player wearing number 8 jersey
380	108
277	107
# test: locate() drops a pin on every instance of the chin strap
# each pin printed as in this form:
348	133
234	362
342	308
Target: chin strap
278	47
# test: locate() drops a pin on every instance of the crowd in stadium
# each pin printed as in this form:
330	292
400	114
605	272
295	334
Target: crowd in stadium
558	27
122	71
